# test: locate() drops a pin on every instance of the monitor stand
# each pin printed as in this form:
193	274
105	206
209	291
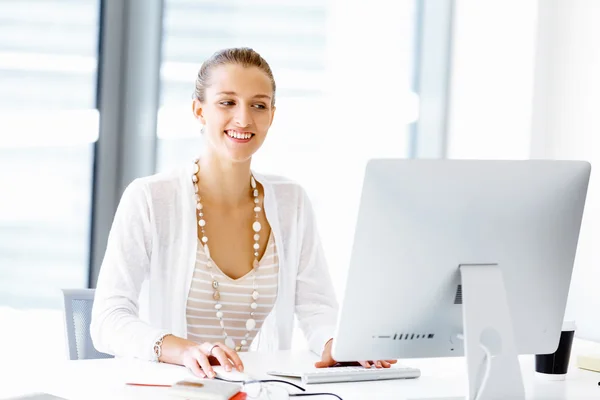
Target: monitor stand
493	369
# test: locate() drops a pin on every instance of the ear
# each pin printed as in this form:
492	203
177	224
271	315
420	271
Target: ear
272	116
198	111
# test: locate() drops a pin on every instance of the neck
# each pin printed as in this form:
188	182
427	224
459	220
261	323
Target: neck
224	183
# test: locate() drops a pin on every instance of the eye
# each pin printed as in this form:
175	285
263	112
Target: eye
260	106
227	103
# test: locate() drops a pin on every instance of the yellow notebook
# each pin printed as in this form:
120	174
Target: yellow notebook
589	362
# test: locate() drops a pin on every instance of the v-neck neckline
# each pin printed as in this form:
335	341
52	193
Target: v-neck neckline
241	278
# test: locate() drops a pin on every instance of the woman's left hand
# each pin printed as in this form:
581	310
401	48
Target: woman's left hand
328	361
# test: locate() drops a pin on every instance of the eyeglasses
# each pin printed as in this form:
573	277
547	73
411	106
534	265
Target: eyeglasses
274	389
265	390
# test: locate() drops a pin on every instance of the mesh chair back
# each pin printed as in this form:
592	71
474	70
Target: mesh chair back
78	316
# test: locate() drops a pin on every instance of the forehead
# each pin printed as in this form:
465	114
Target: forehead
245	81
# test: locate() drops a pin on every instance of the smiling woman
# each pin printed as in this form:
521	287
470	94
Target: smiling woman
230	256
235	101
338	103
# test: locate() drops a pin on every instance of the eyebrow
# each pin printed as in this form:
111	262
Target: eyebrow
258	96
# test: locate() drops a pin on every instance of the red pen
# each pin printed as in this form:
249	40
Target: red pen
238	396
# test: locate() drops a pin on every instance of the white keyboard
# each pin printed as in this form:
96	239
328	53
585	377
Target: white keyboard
350	374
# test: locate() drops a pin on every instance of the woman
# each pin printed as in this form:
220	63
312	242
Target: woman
216	257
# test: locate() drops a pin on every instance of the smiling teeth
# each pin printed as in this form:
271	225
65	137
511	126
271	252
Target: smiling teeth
238	135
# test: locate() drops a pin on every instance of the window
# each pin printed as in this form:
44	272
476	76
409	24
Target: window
48	124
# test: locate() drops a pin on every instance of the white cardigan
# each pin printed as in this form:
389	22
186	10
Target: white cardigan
147	269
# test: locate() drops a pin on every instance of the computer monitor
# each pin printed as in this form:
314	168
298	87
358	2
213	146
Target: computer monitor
462	258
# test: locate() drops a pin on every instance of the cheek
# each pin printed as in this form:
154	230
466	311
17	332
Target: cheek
216	117
263	119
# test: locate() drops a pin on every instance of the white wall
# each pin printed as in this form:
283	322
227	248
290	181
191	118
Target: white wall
526	84
566	125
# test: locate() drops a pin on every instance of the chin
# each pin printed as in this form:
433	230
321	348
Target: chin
239	157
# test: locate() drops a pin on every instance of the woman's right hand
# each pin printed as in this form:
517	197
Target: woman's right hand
199	358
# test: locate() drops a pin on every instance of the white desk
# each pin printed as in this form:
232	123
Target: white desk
104	379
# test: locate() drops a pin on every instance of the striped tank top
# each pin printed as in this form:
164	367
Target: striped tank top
236	297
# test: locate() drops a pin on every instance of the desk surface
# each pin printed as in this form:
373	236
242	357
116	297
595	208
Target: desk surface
104	379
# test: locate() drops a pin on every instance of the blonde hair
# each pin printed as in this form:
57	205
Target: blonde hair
243	56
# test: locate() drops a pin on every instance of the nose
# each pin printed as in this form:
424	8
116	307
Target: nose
243	118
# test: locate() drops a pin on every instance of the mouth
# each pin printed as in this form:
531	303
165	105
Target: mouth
239	137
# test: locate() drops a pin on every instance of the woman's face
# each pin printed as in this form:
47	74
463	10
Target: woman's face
237	111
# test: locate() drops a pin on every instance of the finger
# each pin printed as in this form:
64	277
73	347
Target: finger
204	363
220	355
194	367
322	364
385	364
365	364
378	364
233	356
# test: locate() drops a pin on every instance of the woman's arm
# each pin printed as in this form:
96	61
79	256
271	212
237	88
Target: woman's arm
316	305
116	327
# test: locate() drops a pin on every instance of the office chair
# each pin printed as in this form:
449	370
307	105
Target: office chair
78	316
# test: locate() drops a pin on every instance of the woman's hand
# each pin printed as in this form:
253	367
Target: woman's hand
199	358
328	361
